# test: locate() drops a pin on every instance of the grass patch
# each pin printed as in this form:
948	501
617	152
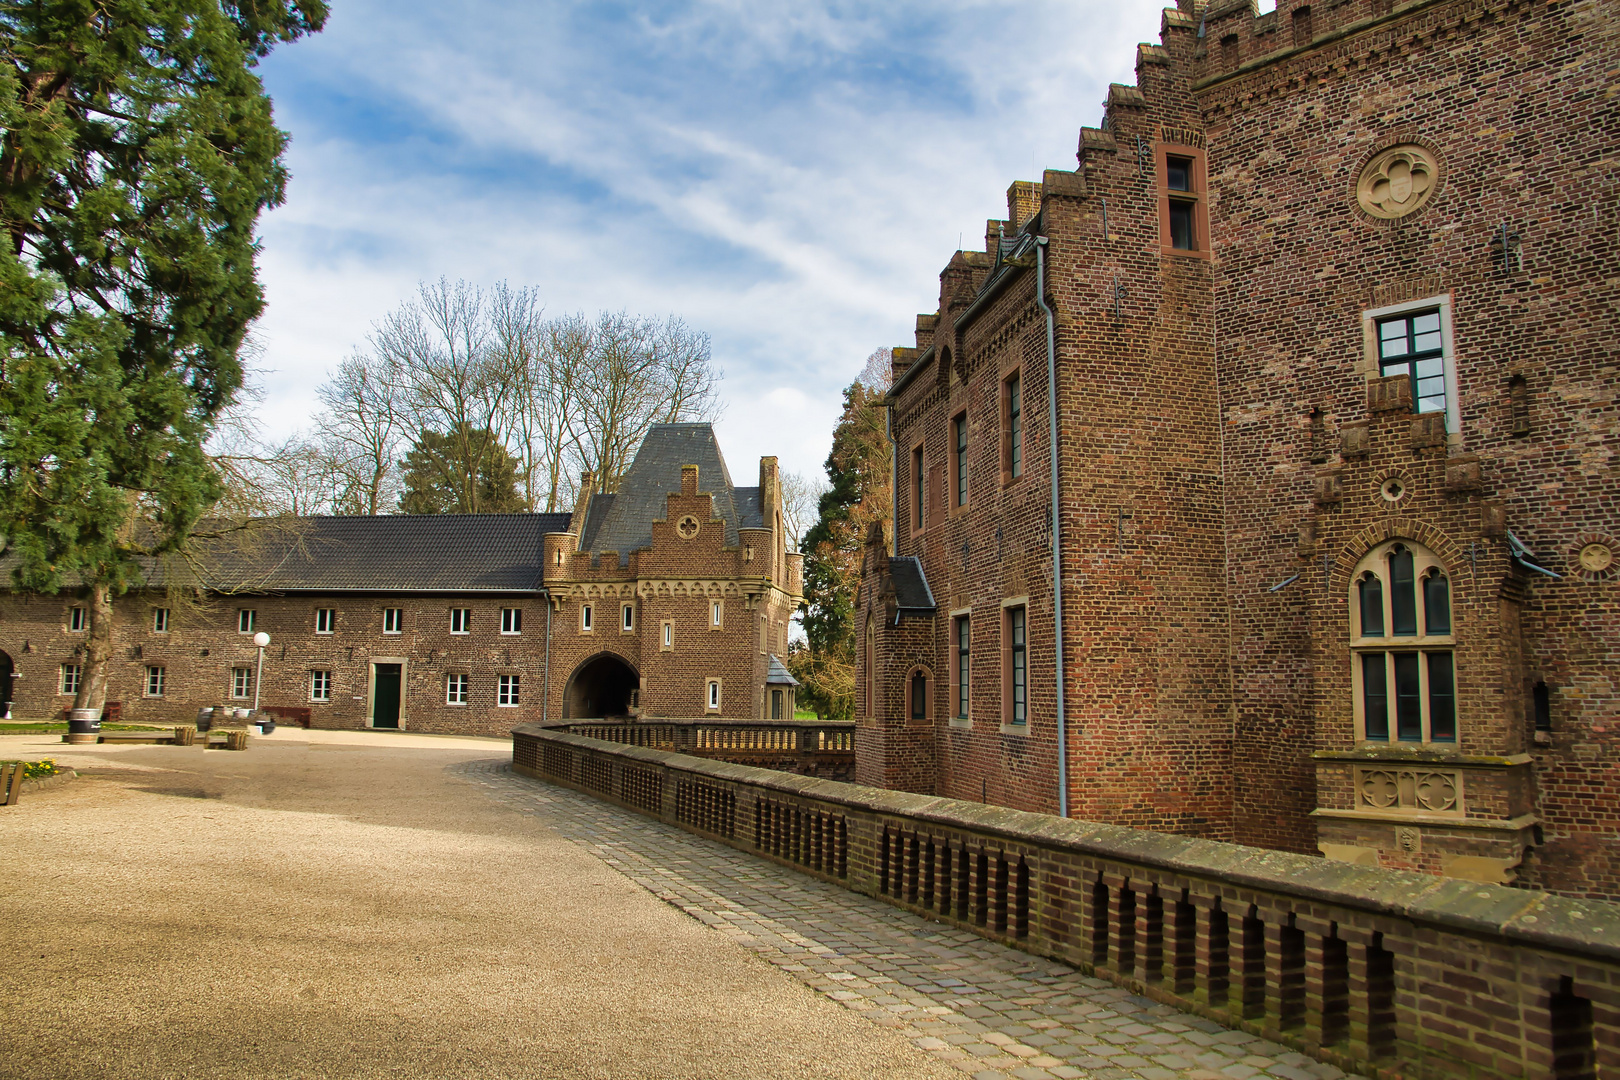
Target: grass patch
47	727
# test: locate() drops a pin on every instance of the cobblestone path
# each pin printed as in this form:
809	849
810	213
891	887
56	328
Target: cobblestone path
992	1011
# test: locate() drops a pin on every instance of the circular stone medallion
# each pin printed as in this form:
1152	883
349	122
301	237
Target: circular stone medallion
1596	558
1397	181
687	527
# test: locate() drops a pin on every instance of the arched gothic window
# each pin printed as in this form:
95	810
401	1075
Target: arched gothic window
1401	645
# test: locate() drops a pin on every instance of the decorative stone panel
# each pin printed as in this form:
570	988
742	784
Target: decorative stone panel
1423	791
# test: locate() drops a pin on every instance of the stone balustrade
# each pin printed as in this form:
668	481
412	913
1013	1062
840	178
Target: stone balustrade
806	747
1384	973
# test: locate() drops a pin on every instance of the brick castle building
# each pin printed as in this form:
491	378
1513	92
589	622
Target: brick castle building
1330	302
670	597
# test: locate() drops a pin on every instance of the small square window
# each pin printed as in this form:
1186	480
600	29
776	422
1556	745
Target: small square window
511	620
506	695
325	620
154	681
393	620
714	695
78	619
160	620
247	620
241	682
587	618
461	620
627	617
455	689
320	686
71	673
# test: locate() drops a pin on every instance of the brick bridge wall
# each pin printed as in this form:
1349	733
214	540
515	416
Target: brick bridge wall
1383	972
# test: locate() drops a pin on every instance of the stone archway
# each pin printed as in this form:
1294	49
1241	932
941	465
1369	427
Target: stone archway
604	685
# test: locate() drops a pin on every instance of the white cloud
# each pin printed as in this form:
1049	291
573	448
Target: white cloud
789	177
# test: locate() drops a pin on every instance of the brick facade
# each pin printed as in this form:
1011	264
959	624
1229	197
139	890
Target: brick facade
1272	195
736	558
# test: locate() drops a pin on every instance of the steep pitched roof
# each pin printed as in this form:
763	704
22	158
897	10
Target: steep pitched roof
388	553
911	591
623	521
777	674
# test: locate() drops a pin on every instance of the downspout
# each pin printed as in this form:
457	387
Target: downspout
894	483
1057	526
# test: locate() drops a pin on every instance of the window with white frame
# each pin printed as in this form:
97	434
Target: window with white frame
241	682
1402	646
507	691
160	620
456	689
627	617
154	681
587	618
71	674
320	686
669	634
247	620
511	620
78	618
717	610
325	620
393	620
713	704
460	620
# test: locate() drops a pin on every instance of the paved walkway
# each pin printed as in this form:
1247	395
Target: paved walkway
989	1010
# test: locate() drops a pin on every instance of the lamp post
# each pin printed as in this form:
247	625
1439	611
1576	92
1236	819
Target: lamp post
261	639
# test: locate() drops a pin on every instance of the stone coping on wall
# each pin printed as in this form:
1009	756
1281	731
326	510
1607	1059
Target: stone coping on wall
684	721
1581	928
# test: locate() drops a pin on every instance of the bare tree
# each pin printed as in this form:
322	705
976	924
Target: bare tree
360	434
638	372
801	502
447	379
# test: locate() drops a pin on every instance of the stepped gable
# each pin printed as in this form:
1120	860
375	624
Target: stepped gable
622	522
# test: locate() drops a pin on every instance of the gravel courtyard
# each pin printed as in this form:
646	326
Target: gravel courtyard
349	905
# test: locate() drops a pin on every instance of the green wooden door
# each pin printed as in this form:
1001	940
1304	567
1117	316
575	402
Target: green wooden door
385	695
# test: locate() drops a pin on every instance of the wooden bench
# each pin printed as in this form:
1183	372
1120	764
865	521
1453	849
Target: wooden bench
235	739
11	781
182	735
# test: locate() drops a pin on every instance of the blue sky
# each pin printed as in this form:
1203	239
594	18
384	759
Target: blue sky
788	177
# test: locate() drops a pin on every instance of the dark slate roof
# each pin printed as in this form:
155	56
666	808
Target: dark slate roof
911	589
389	553
777	674
624	523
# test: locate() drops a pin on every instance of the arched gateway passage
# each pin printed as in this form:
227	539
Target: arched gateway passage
604	685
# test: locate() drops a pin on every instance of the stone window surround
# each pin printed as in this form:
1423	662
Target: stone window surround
1008	726
928	692
954	720
1198	196
717	614
1372	368
587	618
1422	643
627	618
959	480
917	484
711	695
667	636
1004	408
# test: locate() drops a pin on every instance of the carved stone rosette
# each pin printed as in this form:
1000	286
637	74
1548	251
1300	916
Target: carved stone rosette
1398	181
